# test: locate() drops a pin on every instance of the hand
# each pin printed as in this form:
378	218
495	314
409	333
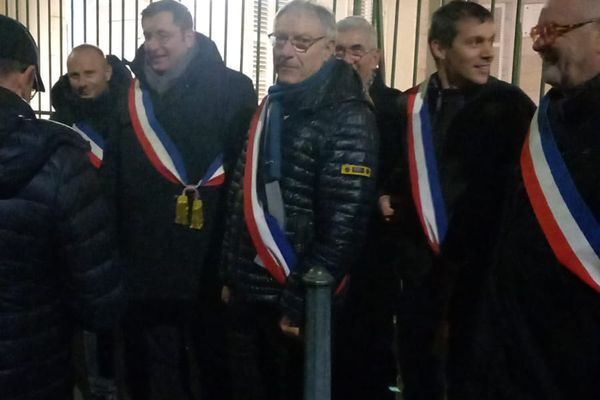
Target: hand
288	328
225	294
385	207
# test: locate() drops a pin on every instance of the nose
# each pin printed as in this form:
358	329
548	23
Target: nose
349	58
487	51
539	44
150	43
287	49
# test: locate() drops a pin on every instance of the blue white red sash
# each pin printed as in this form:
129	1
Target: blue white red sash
158	146
425	182
566	220
274	250
95	140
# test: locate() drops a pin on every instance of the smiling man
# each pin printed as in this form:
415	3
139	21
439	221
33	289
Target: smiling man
536	337
307	177
181	129
462	134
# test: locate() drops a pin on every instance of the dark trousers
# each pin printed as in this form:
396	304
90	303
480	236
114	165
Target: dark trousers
264	364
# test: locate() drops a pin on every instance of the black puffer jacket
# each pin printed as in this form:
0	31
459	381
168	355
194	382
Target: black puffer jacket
206	112
100	112
326	212
56	254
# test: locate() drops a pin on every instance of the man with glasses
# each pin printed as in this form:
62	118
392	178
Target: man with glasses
538	328
461	139
301	197
181	129
57	258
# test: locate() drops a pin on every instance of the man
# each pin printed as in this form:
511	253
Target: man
311	174
536	337
86	96
462	137
369	370
57	264
181	131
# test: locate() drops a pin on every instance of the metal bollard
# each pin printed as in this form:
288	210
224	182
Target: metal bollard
317	341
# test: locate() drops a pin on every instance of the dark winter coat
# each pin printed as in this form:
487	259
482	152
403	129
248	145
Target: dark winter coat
537	336
100	113
56	254
326	212
205	113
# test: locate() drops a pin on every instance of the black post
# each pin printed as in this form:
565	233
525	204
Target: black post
317	351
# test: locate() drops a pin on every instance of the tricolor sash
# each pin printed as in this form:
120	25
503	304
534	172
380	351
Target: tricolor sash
95	140
424	178
566	220
158	146
272	246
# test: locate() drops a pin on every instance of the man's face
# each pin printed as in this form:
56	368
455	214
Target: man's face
358	51
292	66
568	60
88	73
165	43
469	58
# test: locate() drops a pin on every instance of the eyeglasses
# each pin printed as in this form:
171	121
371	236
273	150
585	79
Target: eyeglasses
356	51
300	44
549	32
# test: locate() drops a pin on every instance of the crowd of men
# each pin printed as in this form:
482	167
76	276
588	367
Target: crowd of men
154	234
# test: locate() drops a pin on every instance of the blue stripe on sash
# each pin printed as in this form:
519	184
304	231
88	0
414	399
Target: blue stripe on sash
91	133
568	190
212	168
284	245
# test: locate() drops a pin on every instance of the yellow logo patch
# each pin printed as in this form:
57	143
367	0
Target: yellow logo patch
358	170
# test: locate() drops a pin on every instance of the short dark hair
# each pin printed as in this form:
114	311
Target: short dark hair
181	15
8	66
444	19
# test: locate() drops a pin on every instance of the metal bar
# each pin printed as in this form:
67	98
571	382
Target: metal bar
38	21
72	23
195	13
417	37
16	10
378	23
110	24
84	21
122	29
334	6
61	38
242	38
27	14
493	7
357	7
210	17
226	31
395	43
258	35
97	23
137	23
317	353
516	69
49	53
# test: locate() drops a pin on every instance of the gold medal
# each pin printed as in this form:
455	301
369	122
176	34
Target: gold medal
197	220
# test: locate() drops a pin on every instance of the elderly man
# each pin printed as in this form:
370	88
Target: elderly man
184	125
461	139
57	264
86	96
307	178
541	314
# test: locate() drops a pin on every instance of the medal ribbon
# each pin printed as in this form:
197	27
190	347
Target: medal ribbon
95	140
270	242
158	146
566	220
425	182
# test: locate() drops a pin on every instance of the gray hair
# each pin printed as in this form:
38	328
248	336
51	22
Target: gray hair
358	23
308	6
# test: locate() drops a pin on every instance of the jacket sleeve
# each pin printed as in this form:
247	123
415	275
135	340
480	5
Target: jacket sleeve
85	244
344	199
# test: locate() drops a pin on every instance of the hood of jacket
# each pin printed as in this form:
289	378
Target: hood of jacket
63	97
26	143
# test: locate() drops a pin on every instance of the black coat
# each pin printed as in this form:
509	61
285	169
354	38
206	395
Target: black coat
206	112
537	332
101	112
56	254
326	212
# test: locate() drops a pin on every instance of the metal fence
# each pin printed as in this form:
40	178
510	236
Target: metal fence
240	27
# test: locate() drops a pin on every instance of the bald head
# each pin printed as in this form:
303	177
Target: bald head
88	71
572	57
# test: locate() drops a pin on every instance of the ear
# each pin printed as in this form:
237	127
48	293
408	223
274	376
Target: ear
438	50
329	49
25	82
108	72
376	54
189	38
